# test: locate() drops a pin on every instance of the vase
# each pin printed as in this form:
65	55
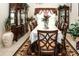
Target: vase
7	39
46	24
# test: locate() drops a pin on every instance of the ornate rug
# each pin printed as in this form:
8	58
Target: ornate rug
22	51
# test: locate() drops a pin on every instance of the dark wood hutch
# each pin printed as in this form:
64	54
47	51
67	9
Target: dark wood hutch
63	23
18	14
63	17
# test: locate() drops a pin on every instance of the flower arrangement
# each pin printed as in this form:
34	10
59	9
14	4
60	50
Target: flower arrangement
45	18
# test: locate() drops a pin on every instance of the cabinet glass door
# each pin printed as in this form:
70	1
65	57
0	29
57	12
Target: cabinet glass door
23	16
12	16
18	17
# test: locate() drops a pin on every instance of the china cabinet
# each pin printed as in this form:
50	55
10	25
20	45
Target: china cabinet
18	13
63	17
63	23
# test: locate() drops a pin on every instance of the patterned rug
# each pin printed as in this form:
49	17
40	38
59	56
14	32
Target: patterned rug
22	51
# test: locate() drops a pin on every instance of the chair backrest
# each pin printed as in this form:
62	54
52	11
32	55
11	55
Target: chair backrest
32	24
47	41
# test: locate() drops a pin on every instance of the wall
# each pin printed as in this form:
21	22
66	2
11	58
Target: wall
4	7
74	13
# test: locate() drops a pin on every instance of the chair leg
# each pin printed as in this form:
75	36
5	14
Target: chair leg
64	51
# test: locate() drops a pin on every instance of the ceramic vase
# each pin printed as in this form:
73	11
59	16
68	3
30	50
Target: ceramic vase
7	39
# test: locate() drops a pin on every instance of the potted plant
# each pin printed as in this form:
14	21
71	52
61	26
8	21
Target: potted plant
74	30
7	25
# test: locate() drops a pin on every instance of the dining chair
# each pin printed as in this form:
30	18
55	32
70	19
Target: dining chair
47	42
31	26
34	23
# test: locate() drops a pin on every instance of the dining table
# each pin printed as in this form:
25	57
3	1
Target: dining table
34	34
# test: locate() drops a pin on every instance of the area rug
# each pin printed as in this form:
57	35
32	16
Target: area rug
22	51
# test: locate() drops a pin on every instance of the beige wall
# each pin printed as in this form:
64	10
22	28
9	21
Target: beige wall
4	7
74	13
